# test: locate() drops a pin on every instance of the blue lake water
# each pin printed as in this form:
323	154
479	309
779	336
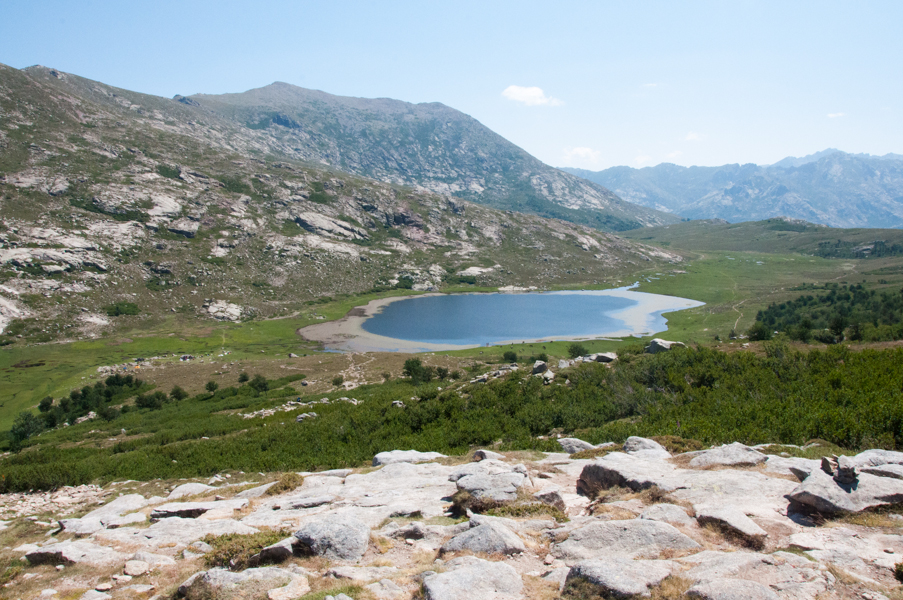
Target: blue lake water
480	319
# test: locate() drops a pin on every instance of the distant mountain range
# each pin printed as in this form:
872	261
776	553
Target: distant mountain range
830	187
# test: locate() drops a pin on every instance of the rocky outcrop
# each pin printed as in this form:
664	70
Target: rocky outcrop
404	456
620	577
729	455
631	539
489	537
269	582
659	345
467	578
335	537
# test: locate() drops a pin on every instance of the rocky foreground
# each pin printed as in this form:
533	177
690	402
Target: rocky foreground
723	523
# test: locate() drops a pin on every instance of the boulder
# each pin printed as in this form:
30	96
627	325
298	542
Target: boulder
551	495
491	538
94	595
625	470
185	227
539	366
336	537
893	471
499	488
645	447
189	489
731	589
825	494
468	578
192	510
136	568
564	364
733	521
278	552
404	456
483	454
603	357
659	345
667	513
574	445
270	582
385	589
798	467
75	552
631	539
728	455
621	577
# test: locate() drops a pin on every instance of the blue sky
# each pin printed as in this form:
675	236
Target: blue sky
619	83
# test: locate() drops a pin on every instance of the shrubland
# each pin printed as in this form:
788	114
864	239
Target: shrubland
852	399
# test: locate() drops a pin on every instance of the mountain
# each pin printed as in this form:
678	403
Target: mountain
832	188
121	211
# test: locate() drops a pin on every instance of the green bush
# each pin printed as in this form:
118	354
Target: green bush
575	350
122	308
510	356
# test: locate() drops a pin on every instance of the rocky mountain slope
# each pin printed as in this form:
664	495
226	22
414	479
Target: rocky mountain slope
725	522
830	188
114	199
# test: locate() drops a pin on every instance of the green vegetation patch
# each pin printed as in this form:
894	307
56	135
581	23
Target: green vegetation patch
122	308
234	551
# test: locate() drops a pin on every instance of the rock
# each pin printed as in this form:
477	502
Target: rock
278	584
109	513
823	493
847	470
667	513
574	445
255	492
798	467
360	575
308	501
650	448
189	489
491	538
631	539
77	551
659	345
487	454
224	311
551	495
894	471
136	568
603	357
404	456
385	590
174	531
192	510
185	227
335	537
564	364
469	578
734	521
547	377
731	589
154	560
94	595
728	455
621	577
279	551
625	470
539	366
499	488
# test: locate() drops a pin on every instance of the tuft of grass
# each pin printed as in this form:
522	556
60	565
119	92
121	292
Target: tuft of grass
594	453
286	483
678	445
528	510
235	551
671	588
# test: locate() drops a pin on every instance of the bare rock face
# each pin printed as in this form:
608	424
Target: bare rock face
266	582
621	577
489	537
335	537
631	539
76	552
659	345
667	513
734	521
224	311
467	578
731	589
825	494
404	456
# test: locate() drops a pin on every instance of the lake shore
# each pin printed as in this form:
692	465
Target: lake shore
348	335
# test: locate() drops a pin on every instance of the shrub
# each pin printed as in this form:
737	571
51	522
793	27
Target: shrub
211	386
46	404
235	551
259	383
338	380
122	308
243	378
575	350
759	332
442	373
178	393
510	356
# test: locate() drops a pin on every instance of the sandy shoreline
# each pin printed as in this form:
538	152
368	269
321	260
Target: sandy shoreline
348	335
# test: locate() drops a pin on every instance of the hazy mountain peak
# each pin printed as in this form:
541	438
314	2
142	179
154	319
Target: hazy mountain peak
792	161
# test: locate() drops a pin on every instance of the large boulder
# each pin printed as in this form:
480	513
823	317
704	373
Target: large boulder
667	513
574	445
659	345
484	454
825	494
189	489
489	537
76	552
734	522
336	537
625	470
499	488
728	455
404	456
630	539
271	583
468	578
645	447
621	577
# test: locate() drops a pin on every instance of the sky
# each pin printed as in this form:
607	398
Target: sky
577	84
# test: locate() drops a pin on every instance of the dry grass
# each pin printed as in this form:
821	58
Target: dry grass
287	482
614	513
381	544
842	576
594	453
678	445
671	588
537	588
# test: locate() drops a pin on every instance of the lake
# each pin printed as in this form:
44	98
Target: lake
468	320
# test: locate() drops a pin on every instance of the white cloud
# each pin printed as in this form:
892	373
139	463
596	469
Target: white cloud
836	115
642	159
693	137
531	96
674	154
581	157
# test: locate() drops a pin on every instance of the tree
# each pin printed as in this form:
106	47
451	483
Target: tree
211	386
177	393
259	383
152	401
759	332
25	426
243	378
338	380
837	325
46	404
510	356
442	373
575	350
411	366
